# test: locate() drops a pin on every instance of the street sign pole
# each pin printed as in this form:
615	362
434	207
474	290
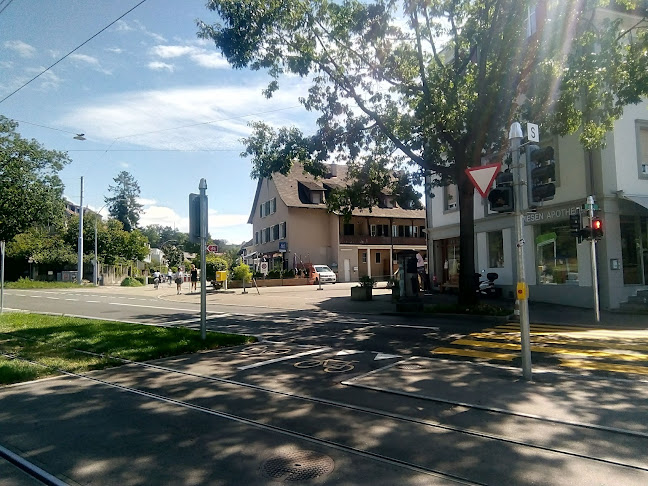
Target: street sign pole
591	206
203	258
515	137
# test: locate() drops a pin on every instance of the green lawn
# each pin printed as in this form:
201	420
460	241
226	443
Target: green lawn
55	341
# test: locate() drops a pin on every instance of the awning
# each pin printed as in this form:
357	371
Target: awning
640	200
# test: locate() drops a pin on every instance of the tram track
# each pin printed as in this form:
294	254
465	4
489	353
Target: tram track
348	407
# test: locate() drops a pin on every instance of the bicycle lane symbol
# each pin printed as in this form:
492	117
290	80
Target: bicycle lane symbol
328	365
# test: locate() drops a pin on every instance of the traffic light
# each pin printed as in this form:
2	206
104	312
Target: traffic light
501	197
597	228
575	226
541	173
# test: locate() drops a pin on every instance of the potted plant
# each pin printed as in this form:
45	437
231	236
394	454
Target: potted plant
394	285
363	291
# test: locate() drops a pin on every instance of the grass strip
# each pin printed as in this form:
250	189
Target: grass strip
53	341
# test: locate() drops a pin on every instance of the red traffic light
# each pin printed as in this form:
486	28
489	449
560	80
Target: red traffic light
597	229
596	224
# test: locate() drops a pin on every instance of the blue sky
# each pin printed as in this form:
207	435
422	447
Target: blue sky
151	99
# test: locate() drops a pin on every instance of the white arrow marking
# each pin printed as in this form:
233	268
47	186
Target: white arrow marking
385	356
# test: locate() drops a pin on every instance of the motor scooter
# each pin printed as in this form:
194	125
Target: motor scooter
487	287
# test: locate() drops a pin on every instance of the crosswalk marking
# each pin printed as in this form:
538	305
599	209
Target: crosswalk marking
473	353
565	339
598	365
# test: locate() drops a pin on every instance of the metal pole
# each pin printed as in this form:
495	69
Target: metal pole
80	257
203	258
94	272
597	313
515	136
2	252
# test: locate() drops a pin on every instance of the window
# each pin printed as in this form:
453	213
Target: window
394	231
275	232
642	148
261	210
630	250
261	236
556	259
450	197
532	20
267	234
373	230
256	238
364	257
379	230
348	229
377	257
266	210
273	205
495	249
282	230
422	231
415	231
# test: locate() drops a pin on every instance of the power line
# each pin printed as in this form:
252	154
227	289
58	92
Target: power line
71	52
7	3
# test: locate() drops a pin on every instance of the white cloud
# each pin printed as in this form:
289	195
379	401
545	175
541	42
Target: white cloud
90	61
23	49
217	220
137	26
115	50
146	202
193	118
159	66
202	57
163	216
47	80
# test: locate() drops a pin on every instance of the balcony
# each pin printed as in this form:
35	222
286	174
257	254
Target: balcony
366	240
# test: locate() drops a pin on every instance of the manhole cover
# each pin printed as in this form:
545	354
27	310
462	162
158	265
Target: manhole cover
298	466
410	366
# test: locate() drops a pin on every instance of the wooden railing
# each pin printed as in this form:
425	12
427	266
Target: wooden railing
381	240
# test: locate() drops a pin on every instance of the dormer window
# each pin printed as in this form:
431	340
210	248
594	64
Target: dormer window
310	192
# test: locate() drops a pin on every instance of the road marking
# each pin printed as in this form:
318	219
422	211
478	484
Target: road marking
348	351
74	300
554	350
417	327
472	353
92	301
380	356
53	298
566	338
596	365
284	358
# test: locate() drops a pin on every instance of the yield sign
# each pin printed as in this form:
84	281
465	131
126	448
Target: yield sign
482	177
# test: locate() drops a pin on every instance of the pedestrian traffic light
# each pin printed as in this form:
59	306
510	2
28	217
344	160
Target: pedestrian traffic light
575	226
597	228
501	197
541	173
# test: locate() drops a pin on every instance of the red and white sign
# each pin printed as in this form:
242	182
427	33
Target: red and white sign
482	177
212	248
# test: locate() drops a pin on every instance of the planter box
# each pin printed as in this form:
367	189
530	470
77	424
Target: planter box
287	282
361	293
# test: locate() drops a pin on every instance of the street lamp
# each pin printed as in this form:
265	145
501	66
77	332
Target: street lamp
515	137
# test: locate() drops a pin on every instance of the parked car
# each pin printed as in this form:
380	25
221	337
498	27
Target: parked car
323	274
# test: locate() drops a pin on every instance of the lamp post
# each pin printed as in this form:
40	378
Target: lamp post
515	137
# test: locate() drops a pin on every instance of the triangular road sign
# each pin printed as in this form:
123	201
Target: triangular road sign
483	176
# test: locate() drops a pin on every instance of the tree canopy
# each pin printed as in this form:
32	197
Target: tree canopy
32	192
123	205
434	84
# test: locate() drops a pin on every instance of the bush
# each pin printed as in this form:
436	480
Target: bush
131	282
289	274
25	283
273	274
242	272
367	281
140	280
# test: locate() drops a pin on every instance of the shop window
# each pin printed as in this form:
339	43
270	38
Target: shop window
495	249
450	197
556	256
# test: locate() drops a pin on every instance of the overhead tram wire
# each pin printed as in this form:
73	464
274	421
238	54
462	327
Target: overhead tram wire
71	52
7	3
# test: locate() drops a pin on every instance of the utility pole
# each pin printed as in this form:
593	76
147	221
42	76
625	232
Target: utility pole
2	262
80	258
515	137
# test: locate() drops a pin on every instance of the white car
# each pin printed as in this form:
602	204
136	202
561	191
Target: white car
323	274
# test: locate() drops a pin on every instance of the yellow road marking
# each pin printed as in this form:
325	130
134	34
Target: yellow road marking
564	339
595	365
474	353
553	350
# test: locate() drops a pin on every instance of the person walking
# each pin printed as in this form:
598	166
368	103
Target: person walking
169	277
178	281
194	277
156	279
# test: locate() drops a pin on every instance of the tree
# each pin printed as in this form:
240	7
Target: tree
32	192
123	205
431	84
173	255
42	246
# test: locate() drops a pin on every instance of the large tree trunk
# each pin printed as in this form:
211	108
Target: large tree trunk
467	294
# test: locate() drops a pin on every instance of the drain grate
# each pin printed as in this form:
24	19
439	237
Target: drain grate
410	366
298	466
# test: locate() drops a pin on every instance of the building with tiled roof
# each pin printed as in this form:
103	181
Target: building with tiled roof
289	213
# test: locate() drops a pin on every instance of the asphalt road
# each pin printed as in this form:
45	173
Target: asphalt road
328	399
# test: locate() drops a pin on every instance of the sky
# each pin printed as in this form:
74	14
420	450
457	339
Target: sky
150	98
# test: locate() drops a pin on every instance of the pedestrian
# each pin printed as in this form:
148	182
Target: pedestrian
169	277
156	279
420	269
178	281
194	277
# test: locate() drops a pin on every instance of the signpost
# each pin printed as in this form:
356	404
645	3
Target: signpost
483	177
